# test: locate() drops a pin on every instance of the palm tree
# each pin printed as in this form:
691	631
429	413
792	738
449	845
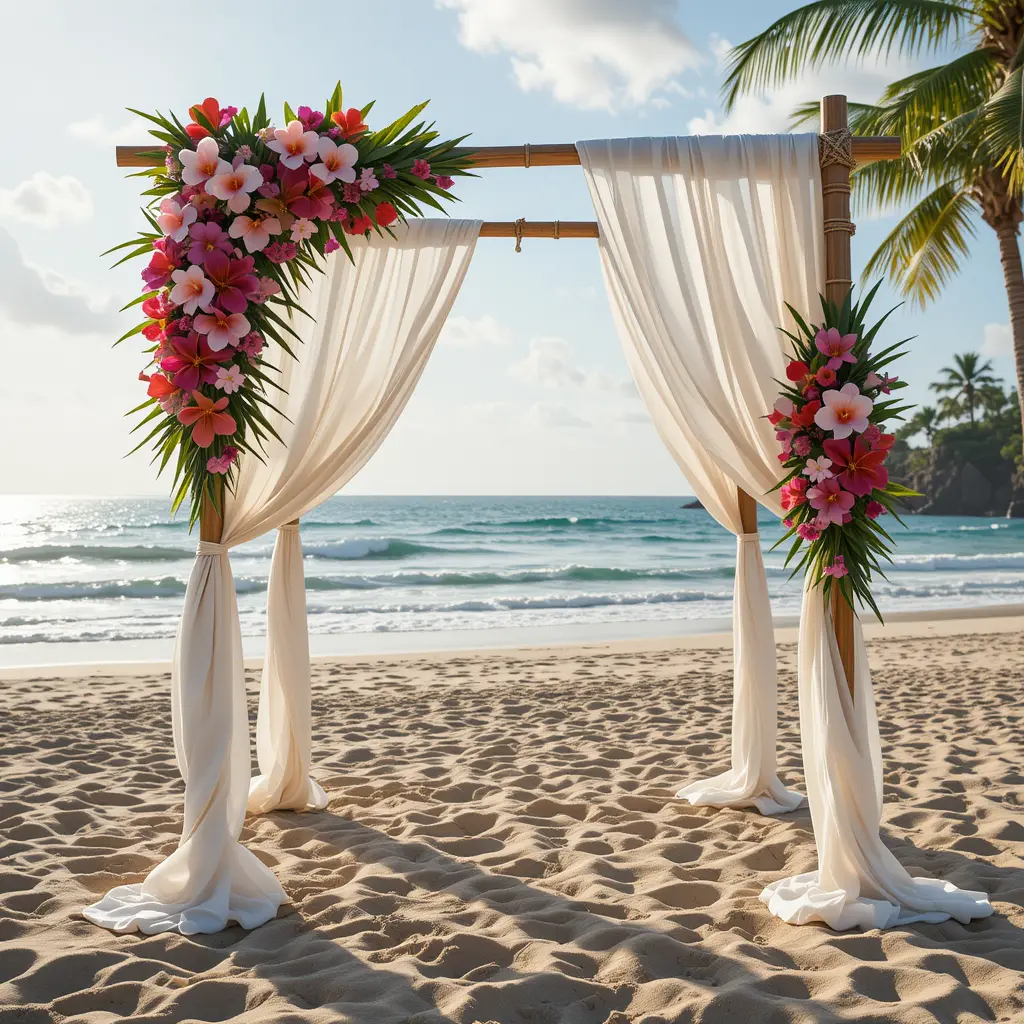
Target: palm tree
961	123
965	384
924	421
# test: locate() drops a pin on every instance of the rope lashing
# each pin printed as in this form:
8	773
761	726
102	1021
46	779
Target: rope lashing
520	224
526	154
836	147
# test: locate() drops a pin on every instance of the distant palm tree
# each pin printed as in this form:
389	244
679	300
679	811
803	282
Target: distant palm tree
965	385
962	126
924	421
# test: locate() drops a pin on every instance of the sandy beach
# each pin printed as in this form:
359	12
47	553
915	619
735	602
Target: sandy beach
502	844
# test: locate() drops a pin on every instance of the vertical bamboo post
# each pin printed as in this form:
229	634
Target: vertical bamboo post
748	511
838	227
211	521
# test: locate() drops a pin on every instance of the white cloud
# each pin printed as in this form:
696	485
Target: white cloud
552	364
34	296
46	201
464	332
592	54
998	340
97	131
547	415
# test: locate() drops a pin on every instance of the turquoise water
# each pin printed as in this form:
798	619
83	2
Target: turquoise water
74	569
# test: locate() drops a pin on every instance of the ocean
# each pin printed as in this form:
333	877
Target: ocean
81	570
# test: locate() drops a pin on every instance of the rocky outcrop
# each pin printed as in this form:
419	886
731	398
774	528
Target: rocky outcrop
965	476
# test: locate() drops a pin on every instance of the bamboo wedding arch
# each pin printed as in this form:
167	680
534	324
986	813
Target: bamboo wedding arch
840	152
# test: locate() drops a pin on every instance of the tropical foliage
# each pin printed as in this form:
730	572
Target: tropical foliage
241	215
961	124
831	421
963	386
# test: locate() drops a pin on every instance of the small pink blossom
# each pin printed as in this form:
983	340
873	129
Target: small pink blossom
269	190
875	509
337	163
311	119
837	569
268	286
367	181
802	445
223	462
229	379
251	344
808	531
303	229
389	172
331	245
254	232
443	181
205	238
818	469
280	252
351	193
421	169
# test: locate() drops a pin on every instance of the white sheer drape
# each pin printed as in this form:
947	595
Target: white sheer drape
375	326
703	240
858	881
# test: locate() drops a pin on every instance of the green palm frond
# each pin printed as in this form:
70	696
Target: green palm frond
915	105
922	252
838	30
1003	119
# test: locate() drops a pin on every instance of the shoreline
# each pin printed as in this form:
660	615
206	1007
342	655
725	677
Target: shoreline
71	659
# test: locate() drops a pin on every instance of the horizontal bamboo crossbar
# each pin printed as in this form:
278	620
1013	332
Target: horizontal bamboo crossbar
866	150
539	229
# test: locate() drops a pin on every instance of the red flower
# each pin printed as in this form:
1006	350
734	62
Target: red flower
160	387
211	110
797	371
350	122
158	307
233	279
862	469
386	214
358	225
805	417
825	377
314	203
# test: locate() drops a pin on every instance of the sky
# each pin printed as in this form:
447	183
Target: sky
527	391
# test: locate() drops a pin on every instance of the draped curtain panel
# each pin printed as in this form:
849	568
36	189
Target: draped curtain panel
703	240
859	883
375	326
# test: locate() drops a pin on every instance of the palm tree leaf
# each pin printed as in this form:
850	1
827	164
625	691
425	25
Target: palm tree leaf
1003	120
921	253
837	30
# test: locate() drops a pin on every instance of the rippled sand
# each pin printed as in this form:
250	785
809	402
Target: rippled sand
502	845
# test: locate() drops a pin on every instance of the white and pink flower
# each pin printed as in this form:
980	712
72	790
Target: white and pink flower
818	469
221	329
844	411
294	143
303	229
201	163
254	232
229	379
234	185
175	220
337	163
192	289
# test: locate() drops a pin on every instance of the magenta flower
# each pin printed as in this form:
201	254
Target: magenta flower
206	238
875	509
233	280
832	503
251	344
192	362
223	462
222	329
421	169
280	252
837	569
802	445
443	181
808	531
858	468
165	260
838	347
351	193
311	119
315	203
331	245
388	171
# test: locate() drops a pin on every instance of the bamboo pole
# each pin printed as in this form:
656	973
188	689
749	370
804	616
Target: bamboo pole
211	522
835	188
748	511
866	149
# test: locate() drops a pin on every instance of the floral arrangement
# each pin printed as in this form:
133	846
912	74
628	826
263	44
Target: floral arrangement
831	424
241	213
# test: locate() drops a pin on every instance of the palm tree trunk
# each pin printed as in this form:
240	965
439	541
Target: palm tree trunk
1013	275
